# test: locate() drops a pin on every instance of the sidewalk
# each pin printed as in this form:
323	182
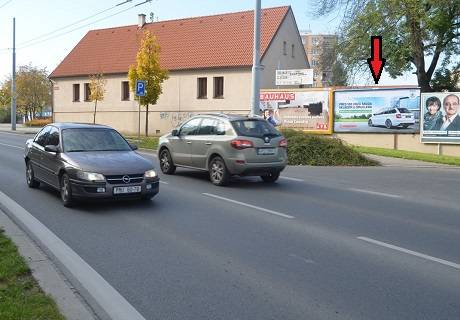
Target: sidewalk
405	163
20	128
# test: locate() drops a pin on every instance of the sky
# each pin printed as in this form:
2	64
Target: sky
47	30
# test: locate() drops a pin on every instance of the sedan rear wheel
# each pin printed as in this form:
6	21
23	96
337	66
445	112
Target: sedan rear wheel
218	173
66	191
388	124
30	176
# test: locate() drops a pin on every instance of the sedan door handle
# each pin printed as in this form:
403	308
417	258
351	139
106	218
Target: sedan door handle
208	143
189	142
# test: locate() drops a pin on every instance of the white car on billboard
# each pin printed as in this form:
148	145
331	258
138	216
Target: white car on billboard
392	117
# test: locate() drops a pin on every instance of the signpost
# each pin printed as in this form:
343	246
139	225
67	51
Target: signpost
140	92
294	77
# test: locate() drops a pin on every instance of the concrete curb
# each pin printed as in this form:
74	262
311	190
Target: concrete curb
50	279
105	300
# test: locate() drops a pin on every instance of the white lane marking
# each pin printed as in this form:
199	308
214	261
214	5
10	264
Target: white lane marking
376	193
276	213
414	253
107	297
164	182
10	145
292	179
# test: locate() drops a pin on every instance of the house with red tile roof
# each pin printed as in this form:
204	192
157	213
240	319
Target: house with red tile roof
209	60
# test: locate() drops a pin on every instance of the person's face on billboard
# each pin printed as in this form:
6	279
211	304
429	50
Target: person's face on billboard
451	105
433	108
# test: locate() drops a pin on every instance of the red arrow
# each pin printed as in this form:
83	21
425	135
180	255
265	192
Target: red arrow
376	62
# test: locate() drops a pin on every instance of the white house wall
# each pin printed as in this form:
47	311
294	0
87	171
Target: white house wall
275	58
177	102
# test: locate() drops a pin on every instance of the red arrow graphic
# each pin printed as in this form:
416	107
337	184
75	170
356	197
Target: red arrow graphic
376	62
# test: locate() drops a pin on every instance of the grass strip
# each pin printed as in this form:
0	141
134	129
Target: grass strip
20	295
145	142
410	155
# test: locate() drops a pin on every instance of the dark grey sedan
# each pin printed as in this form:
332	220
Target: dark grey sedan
88	161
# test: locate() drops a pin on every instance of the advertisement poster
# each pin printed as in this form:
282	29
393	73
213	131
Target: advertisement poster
377	110
308	110
440	118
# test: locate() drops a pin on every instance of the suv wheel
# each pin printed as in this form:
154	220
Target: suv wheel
66	191
218	173
271	177
405	126
388	124
166	164
30	176
369	123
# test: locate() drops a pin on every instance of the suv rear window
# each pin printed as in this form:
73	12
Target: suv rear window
254	128
403	110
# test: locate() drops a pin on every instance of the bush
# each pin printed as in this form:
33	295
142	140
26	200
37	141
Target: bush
38	122
315	150
5	115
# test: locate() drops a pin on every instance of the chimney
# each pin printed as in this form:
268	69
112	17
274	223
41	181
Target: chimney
141	20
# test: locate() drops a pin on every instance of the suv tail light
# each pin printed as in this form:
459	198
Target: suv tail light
242	144
283	143
398	116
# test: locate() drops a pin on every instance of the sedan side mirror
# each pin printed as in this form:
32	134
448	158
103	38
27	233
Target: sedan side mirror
133	146
175	133
52	148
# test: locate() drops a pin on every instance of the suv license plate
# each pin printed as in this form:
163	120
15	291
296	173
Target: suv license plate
266	151
124	190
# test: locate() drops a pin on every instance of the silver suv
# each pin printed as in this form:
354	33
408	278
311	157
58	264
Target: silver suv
225	145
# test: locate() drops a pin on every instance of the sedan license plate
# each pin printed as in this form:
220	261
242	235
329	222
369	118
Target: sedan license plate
266	151
408	116
125	190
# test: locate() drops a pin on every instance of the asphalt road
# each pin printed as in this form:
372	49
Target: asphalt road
322	243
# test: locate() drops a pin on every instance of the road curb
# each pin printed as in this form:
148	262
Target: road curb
104	300
49	277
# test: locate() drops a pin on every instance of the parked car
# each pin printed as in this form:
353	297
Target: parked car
225	145
392	117
88	161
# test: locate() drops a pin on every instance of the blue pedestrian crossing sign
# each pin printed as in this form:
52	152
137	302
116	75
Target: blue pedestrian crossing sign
140	88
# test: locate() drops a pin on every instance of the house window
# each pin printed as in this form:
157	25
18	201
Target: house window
292	51
284	48
218	87
87	92
76	92
202	89
125	91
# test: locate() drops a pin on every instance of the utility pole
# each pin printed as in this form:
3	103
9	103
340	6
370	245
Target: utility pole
256	62
13	81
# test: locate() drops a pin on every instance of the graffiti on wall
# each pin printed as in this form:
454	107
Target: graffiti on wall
175	118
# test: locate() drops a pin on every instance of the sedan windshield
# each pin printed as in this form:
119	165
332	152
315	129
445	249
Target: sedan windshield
83	139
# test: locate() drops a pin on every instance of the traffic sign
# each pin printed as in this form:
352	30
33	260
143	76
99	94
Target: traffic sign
140	88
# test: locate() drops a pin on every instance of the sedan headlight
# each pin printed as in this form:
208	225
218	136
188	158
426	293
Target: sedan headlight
90	176
150	174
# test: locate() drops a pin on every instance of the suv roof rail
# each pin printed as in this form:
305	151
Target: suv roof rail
217	114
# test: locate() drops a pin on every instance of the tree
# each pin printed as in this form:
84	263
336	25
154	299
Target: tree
446	79
33	90
148	68
330	60
416	34
97	84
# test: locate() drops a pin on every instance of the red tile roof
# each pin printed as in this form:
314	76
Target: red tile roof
224	40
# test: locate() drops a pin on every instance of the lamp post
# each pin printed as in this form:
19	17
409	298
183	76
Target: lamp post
256	63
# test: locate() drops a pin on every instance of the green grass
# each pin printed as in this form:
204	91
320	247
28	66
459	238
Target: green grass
20	295
316	150
428	157
145	142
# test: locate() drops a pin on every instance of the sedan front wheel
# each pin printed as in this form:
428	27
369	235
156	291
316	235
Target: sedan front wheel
30	176
66	191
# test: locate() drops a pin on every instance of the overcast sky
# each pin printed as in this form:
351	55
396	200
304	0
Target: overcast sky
47	30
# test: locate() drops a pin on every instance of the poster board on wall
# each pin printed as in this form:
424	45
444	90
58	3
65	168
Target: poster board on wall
386	110
440	117
308	110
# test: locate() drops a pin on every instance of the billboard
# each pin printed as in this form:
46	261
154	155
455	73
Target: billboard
294	77
395	110
305	109
440	118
